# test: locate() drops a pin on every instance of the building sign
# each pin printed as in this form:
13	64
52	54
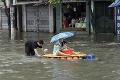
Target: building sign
118	20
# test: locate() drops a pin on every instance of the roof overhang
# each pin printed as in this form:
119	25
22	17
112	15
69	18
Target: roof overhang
82	0
32	2
46	1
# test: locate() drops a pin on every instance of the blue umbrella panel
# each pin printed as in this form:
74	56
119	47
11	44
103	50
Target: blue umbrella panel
62	35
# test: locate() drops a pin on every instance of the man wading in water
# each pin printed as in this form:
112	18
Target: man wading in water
31	47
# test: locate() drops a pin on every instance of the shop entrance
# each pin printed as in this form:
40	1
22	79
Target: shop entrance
104	17
74	15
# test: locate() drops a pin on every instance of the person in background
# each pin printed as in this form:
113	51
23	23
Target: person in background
31	47
80	19
72	22
64	22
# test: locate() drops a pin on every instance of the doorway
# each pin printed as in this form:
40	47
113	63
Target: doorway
104	17
74	15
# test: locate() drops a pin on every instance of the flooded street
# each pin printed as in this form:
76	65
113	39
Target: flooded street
14	65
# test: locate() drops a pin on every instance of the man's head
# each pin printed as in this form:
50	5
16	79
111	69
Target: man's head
40	42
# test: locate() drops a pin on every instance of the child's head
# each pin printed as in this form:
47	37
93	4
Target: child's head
64	43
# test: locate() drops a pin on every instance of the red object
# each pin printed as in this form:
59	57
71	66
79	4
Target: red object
68	51
64	23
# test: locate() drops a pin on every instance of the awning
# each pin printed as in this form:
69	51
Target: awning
115	4
31	2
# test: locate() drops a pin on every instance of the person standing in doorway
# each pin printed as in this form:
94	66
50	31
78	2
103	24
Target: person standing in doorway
72	22
64	22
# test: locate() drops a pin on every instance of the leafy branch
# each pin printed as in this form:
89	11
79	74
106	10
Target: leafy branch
54	2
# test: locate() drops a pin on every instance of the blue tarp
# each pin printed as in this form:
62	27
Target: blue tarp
115	4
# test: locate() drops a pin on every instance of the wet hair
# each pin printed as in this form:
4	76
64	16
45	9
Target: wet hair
41	41
64	42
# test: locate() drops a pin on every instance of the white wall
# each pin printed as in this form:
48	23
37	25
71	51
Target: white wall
24	18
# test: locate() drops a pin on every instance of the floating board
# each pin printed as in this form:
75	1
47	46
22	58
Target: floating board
73	56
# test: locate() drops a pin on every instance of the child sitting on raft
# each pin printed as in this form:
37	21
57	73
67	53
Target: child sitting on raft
58	47
65	47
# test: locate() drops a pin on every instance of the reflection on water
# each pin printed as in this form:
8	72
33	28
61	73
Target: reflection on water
15	66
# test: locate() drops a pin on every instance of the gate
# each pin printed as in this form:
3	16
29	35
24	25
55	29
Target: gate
31	18
104	17
4	20
38	18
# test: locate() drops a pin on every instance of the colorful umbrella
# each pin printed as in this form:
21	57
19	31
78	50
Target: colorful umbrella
62	35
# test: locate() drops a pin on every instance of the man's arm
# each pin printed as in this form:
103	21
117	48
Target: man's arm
36	52
42	51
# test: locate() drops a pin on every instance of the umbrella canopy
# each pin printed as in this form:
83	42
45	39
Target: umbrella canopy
62	35
115	4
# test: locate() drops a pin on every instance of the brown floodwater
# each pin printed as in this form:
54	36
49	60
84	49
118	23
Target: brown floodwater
14	65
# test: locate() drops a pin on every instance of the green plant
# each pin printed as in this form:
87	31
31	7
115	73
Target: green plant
54	2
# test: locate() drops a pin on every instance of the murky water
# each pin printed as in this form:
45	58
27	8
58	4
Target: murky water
15	66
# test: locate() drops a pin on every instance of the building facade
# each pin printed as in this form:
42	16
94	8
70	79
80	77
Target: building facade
38	15
30	15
